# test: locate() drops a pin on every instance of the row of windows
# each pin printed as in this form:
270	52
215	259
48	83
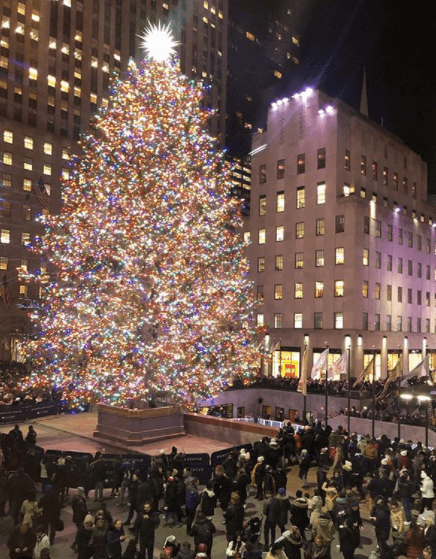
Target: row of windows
410	301
338	321
27	183
28	143
5	237
299	260
24	264
6	210
338	285
321	164
299	230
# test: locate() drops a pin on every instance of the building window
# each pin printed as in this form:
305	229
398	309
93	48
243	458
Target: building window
28	163
410	268
427	246
389	292
262	174
260	319
339	320
260	295
46	169
320	193
419	297
365	259
378	260
389	263
409	324
347	161
25	239
410	239
299	230
317	320
340	224
321	158
339	256
28	142
365	288
377	225
26	213
394	181
365	321
298	291
414	194
409	297
419	272
390	233
7	180
366	225
48	148
320	227
319	258
277	320
301	197
262	205
299	261
247	237
377	322
278	291
5	208
27	185
8	137
339	288
280	169
298	320
374	171
319	289
280	233
262	236
261	264
5	236
363	165
385	176
7	158
278	262
301	164
4	262
427	272
405	189
280	202
399	323
418	324
389	322
427	298
419	242
400	236
377	291
427	325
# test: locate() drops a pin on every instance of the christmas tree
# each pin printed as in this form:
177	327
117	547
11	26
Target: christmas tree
147	285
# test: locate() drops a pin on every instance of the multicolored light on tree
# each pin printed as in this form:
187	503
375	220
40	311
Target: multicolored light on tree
147	285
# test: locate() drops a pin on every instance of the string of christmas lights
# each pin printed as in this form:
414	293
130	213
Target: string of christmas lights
146	288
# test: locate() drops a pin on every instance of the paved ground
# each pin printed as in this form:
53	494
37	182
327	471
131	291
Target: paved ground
74	433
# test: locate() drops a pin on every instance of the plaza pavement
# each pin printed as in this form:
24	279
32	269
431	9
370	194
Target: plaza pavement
74	433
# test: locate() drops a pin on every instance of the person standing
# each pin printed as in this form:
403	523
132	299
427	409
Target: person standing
381	518
99	474
21	542
51	510
145	529
427	492
192	499
114	539
83	538
31	435
79	506
349	537
202	532
234	518
42	541
272	513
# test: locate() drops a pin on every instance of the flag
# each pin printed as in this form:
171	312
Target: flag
421	370
302	383
396	372
275	347
365	373
41	193
340	366
5	291
321	363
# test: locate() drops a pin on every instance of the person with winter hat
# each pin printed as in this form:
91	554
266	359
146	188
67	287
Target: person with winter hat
258	476
349	537
83	538
208	501
79	506
271	512
285	507
299	509
202	552
292	542
427	492
304	462
186	552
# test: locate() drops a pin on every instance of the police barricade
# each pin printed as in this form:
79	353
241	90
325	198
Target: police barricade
23	412
197	459
80	473
202	471
219	456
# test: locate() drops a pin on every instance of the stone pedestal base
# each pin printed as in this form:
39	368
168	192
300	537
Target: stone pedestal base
136	427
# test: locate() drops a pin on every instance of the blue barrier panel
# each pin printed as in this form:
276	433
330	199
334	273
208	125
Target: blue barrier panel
219	456
200	458
202	471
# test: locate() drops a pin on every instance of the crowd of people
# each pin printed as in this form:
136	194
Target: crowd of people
396	476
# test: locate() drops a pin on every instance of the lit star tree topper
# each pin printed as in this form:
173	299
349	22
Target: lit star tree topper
147	287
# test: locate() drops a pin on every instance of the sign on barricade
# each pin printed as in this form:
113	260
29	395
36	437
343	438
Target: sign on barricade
202	471
200	458
219	456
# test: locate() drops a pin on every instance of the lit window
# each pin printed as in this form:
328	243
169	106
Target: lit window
28	142
4	262
277	320
262	236
280	169
65	154
33	74
7	180
51	80
320	193
7	158
377	291
4	62
6	22
280	202
52	43
261	264
46	169
280	233
35	16
347	160
299	260
262	205
279	262
339	320
262	174
21	9
339	288
301	197
8	136
340	256
278	291
5	236
25	238
48	148
65	86
27	185
93	98
28	163
260	319
23	290
320	227
319	258
298	320
247	237
65	173
319	289
299	230
77	91
298	291
365	289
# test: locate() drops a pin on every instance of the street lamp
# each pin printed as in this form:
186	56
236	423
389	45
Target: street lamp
426	400
348	348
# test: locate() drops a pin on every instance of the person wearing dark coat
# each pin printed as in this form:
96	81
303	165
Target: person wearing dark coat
186	552
272	513
31	435
83	538
114	539
234	518
299	509
172	504
208	501
285	507
19	485
318	549
145	529
133	498
291	542
21	542
202	532
404	488
79	506
241	482
381	518
145	493
51	510
349	537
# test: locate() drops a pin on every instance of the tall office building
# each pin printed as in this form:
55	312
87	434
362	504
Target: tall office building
56	61
343	239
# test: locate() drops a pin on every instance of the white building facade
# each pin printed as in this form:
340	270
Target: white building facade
342	239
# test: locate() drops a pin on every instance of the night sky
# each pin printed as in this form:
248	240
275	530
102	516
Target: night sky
395	42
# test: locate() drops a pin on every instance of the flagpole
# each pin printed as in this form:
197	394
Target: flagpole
326	387
304	395
373	391
398	396
349	386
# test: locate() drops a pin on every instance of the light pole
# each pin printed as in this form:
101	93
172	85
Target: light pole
326	387
348	383
426	399
373	392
